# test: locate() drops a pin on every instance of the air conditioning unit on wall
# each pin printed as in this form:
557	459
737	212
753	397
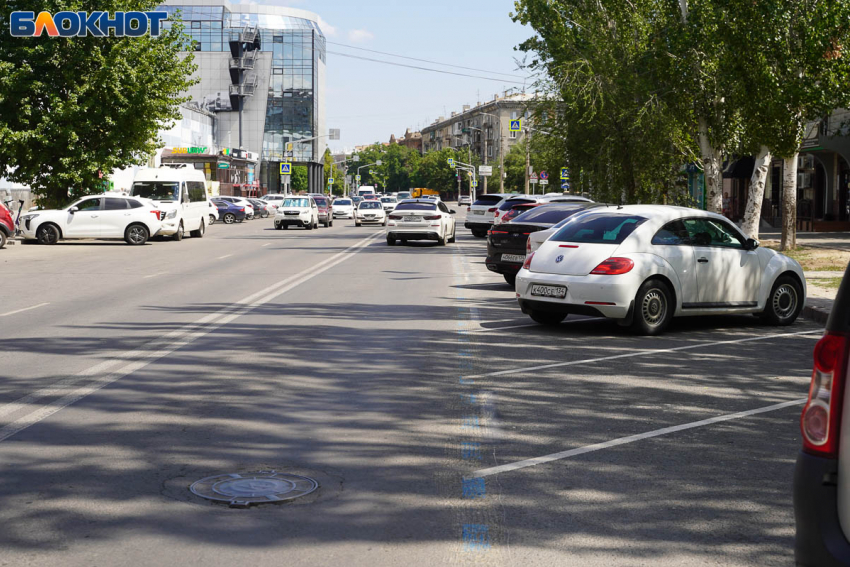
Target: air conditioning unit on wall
804	180
805	162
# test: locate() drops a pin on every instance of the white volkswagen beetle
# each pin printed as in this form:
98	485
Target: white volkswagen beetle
645	264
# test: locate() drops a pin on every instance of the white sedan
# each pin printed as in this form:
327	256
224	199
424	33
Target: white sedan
103	217
370	211
645	264
421	219
343	208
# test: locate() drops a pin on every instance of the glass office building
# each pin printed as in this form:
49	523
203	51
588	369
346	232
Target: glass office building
288	104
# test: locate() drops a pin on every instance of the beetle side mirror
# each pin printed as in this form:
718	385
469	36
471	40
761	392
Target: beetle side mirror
752	244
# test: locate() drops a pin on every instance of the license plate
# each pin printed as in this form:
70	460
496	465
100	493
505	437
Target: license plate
477	212
411	218
519	258
557	291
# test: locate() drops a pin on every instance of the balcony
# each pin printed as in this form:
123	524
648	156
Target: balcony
245	62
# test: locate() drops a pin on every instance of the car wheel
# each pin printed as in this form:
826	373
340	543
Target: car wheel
327	224
285	226
390	241
309	226
2	239
356	223
277	226
136	235
200	232
385	222
511	279
265	214
47	234
784	302
547	317
653	308
212	220
229	218
178	236
454	236
441	240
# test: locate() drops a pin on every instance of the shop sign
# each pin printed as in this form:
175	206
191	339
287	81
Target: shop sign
192	150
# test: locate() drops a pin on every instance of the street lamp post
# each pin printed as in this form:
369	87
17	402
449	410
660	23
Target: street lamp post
501	155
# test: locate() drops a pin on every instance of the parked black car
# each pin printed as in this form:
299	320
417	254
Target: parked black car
822	476
228	212
506	242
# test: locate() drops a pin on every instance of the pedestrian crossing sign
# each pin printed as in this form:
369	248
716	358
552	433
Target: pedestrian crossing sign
330	180
565	174
286	169
451	162
516	125
357	177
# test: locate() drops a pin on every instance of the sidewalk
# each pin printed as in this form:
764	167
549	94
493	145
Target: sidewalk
832	240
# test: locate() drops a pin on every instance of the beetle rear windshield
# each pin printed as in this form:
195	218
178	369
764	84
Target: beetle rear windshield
156	190
599	228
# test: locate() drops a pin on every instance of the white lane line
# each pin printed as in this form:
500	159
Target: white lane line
154	275
163	347
631	439
223	257
266	244
640	353
24	309
493	329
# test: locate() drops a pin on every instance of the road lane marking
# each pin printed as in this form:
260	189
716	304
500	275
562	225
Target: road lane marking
159	348
266	244
154	275
24	309
640	353
223	257
631	439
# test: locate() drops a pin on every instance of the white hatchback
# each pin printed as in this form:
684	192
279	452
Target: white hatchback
102	217
645	264
370	211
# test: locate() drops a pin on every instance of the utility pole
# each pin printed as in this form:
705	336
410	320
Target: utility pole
527	159
485	161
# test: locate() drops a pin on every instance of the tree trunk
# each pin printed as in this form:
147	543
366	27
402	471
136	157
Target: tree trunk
752	217
713	168
789	204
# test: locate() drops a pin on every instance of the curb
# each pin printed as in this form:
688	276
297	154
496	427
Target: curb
819	316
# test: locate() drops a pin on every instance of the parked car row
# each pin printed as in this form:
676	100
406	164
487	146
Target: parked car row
640	264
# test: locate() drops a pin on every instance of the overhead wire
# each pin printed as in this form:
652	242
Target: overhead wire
426	68
426	60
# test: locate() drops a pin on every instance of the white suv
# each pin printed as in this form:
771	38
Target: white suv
102	217
297	211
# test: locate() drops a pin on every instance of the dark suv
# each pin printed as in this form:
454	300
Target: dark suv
325	215
822	476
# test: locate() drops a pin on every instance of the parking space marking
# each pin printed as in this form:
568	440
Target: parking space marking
631	439
24	309
158	348
641	353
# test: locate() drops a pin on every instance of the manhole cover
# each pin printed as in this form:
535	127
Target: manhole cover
243	490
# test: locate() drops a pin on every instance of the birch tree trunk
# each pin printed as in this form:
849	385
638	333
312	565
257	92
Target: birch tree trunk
752	216
789	204
712	165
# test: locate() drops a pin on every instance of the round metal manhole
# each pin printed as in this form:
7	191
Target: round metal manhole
243	490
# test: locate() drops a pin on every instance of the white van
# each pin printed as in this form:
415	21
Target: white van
181	191
366	190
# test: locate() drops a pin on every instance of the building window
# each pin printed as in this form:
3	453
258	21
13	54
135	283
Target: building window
513	115
513	135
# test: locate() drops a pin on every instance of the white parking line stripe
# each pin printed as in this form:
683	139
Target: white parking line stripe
161	348
24	309
631	439
639	353
223	257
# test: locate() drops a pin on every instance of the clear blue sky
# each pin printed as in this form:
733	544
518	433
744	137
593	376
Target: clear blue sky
369	101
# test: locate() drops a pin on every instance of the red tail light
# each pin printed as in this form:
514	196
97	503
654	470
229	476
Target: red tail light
614	267
242	210
468	209
528	247
821	417
432	217
527	264
396	217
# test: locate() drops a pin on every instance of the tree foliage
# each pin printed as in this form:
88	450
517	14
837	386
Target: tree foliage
73	107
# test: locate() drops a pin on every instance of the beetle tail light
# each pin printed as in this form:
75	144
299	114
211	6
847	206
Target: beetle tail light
527	264
614	267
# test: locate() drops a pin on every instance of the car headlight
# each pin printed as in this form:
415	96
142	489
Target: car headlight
172	214
28	217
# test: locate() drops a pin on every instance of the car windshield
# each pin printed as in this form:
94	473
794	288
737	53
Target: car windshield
487	200
343	202
296	202
370	205
508	204
599	228
321	201
547	215
416	207
388	200
156	190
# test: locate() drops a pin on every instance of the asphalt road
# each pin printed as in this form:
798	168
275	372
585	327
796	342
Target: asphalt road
399	378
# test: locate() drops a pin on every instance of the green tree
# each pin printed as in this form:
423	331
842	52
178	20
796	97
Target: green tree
71	108
335	172
299	179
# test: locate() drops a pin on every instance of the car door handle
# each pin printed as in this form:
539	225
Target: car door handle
703	260
94	216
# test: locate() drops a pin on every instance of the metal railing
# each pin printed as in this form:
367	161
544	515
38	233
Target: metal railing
247	61
247	88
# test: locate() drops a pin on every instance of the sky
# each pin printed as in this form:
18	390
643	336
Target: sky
370	101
